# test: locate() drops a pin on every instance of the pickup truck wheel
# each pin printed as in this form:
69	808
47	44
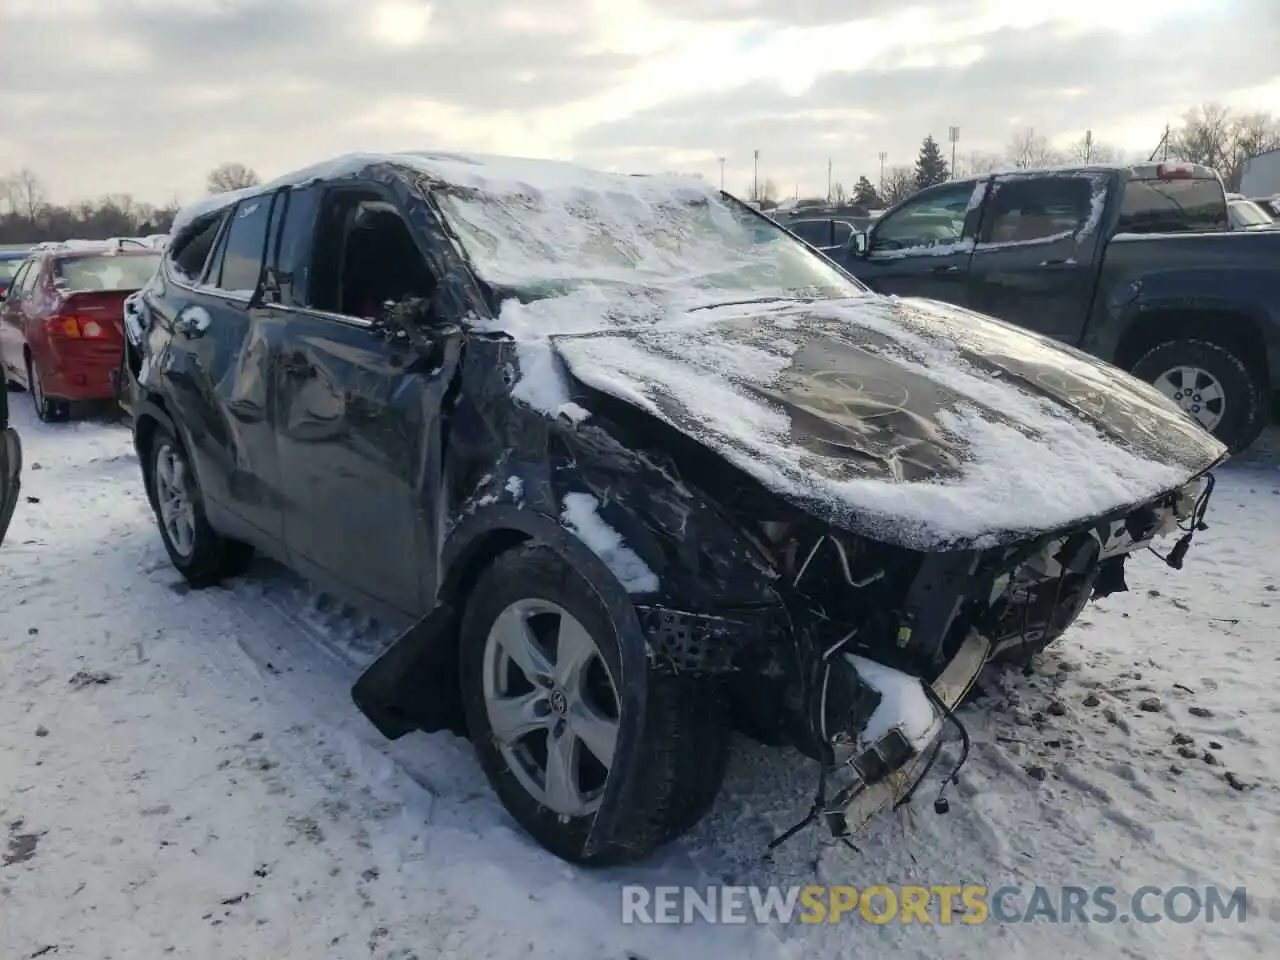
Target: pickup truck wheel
1212	384
199	553
538	665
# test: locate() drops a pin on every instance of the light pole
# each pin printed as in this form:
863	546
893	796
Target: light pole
755	177
828	181
1088	145
953	134
883	156
721	160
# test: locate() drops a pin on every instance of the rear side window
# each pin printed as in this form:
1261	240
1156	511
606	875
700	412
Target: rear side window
246	243
1036	208
1172	206
190	249
31	279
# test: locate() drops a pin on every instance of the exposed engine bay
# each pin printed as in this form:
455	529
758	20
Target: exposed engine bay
887	642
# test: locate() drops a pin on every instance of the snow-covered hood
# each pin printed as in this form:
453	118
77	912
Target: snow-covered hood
912	421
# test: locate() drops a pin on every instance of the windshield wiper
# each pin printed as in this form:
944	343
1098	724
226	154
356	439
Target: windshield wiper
739	303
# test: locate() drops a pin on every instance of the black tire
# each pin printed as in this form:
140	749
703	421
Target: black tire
47	409
683	750
212	557
1244	414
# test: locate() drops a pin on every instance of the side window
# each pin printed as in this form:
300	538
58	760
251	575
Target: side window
1028	209
19	279
364	255
841	233
936	219
190	249
292	253
245	245
32	278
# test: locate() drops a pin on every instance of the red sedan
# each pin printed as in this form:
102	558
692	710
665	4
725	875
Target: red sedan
62	322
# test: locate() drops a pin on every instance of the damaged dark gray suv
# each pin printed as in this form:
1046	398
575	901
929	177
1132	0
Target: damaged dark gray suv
632	467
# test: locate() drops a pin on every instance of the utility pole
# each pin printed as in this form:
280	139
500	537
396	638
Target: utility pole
883	156
755	178
721	159
953	134
828	181
1166	142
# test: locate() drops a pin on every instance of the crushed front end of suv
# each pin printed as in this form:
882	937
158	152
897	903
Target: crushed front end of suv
633	467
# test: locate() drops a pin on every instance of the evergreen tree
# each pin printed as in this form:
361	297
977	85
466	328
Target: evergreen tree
931	167
864	194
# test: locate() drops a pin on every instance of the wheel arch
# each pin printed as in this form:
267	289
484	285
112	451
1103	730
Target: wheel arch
414	683
1228	327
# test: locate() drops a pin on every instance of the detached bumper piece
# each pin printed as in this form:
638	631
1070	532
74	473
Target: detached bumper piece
887	772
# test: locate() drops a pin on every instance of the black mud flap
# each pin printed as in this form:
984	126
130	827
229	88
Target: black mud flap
10	476
413	685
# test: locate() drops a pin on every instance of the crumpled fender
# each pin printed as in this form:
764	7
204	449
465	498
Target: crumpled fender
386	691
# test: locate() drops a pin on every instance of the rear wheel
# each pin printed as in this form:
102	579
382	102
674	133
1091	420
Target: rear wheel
539	667
201	555
47	409
1213	384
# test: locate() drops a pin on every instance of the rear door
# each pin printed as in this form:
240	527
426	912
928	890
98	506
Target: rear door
218	369
1033	264
357	414
922	248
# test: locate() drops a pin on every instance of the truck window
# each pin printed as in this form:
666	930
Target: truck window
1172	206
936	218
1027	209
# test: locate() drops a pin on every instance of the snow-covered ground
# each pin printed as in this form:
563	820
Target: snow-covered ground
183	773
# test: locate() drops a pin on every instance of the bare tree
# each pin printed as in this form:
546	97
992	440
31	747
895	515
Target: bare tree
26	194
979	162
1029	149
899	183
839	194
1087	150
1212	135
231	176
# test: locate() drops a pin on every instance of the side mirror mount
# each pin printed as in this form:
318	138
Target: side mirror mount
860	244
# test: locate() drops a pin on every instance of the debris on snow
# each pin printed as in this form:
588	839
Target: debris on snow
90	678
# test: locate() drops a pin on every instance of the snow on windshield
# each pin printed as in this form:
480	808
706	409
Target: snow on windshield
545	234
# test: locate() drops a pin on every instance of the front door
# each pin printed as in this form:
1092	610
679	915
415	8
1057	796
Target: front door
218	371
1033	263
922	248
357	412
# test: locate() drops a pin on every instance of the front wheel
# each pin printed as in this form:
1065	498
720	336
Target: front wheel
539	673
200	554
1212	384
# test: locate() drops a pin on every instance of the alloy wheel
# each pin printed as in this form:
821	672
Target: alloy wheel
173	496
551	704
1197	392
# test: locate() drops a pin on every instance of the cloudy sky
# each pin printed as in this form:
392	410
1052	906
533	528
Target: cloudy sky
145	96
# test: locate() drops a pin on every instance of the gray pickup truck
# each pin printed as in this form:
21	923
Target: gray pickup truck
1134	265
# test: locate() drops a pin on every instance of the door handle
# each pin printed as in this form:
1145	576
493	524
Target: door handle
948	269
